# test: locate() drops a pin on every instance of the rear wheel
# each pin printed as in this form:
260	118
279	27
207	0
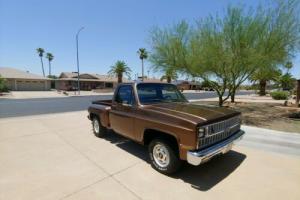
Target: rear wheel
98	129
164	157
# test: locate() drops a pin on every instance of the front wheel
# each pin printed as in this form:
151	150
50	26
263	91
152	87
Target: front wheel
98	129
163	157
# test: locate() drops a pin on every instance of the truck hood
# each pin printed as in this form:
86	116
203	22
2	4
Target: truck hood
195	112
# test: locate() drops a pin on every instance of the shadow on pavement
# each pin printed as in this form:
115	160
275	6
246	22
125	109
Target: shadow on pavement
203	177
207	175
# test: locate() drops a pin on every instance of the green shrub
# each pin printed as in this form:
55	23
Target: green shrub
280	95
3	86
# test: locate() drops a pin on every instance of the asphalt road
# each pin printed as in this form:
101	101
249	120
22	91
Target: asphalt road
25	107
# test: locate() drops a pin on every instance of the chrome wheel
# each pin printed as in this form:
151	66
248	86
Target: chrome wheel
96	125
161	155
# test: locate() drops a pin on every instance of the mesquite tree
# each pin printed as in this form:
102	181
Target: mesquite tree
226	51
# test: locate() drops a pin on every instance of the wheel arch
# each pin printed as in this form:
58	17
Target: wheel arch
92	115
150	134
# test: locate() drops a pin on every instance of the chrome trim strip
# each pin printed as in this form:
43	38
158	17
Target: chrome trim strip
200	156
238	116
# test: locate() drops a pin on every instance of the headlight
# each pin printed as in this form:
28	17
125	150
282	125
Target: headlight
201	132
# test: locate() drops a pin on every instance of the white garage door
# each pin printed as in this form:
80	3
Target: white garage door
30	85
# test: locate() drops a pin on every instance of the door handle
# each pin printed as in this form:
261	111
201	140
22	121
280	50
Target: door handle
126	105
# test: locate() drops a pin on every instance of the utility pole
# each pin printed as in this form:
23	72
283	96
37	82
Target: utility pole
142	70
78	81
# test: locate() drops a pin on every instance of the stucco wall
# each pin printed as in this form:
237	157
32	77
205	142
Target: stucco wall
28	85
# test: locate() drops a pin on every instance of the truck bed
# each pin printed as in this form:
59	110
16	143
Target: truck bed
103	102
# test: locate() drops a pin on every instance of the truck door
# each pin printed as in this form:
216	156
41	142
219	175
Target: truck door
123	111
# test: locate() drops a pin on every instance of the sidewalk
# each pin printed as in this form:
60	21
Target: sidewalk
56	94
49	94
271	140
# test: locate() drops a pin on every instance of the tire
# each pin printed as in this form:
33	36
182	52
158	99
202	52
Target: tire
167	161
98	129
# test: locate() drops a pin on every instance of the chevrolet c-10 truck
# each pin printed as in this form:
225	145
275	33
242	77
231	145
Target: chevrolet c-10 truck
159	116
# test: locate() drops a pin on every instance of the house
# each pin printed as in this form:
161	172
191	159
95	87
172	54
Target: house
24	81
151	80
187	85
69	80
154	80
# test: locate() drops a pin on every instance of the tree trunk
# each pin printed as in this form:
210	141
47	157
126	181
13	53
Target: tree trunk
232	95
42	66
221	101
49	68
298	93
168	79
143	70
262	87
120	77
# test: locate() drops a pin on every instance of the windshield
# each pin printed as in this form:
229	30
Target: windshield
155	93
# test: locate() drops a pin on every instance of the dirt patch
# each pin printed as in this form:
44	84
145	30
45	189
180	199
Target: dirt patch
266	115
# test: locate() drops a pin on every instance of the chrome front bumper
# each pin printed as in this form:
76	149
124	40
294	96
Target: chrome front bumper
198	157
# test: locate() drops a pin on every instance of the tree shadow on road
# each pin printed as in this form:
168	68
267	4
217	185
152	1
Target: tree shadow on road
203	177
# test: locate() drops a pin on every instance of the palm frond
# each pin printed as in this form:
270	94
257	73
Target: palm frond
49	56
119	68
40	51
143	54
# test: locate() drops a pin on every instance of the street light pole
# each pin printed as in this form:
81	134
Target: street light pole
78	81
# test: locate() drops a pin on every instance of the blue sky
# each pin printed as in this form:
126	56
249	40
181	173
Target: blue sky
114	30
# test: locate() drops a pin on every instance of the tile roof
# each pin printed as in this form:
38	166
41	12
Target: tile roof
8	72
68	75
109	78
95	77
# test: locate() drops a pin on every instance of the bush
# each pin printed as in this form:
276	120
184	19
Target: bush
3	86
280	95
294	115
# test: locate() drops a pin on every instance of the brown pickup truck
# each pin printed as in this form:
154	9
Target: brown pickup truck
158	115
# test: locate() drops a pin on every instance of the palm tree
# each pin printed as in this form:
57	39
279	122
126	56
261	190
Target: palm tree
143	55
263	75
41	51
119	69
50	57
170	75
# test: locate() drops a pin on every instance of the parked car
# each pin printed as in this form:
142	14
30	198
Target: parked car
158	115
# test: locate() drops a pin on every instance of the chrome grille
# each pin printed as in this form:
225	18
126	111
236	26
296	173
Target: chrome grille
219	131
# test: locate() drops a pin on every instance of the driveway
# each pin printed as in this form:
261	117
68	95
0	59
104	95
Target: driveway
56	156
